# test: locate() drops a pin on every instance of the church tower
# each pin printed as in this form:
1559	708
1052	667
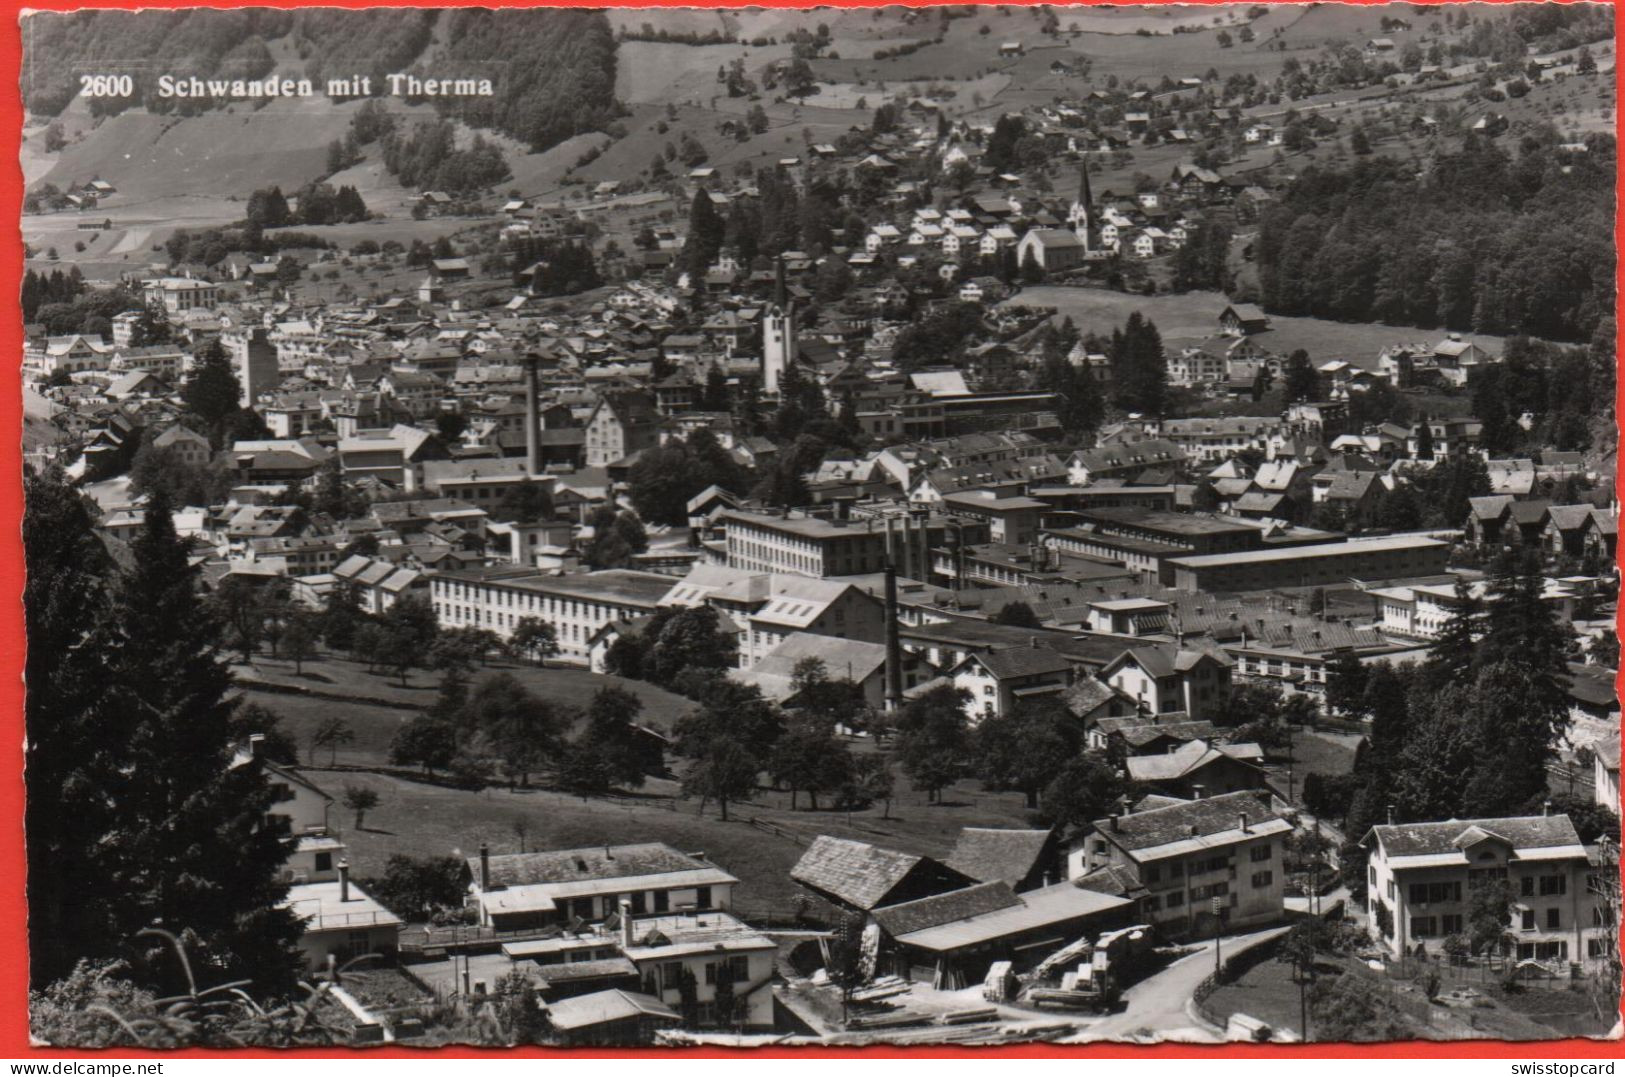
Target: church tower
778	333
1082	214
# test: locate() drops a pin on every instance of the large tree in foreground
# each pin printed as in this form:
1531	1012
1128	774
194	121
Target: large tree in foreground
138	816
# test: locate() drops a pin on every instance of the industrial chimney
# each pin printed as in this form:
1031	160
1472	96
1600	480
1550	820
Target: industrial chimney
626	924
485	867
344	880
533	422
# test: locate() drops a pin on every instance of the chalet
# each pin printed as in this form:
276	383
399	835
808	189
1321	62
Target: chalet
1242	319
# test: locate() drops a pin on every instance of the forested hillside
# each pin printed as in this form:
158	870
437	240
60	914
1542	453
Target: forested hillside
1486	239
58	47
553	70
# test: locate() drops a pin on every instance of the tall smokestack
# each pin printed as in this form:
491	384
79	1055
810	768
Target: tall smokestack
485	867
922	548
626	924
894	646
344	880
533	422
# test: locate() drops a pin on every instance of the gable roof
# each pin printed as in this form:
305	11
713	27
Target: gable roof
945	908
856	872
1212	822
989	855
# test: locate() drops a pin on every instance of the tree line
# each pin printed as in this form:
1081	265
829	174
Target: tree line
1484	240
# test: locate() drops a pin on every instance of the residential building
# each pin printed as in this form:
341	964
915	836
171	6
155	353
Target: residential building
1220	856
1420	879
521	890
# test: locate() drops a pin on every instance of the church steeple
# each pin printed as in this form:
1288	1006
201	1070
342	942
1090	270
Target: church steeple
1082	214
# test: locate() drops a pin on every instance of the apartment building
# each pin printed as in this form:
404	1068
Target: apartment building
1220	856
1423	874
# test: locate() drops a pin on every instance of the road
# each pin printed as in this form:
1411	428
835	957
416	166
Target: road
1156	1006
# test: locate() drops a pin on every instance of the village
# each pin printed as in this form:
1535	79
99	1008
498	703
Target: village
927	586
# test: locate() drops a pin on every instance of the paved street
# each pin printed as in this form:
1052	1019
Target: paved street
1157	1006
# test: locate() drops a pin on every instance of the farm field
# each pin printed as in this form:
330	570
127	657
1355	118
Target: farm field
1193	316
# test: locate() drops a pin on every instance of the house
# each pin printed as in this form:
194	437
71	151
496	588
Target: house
518	890
1221	856
621	424
862	877
1420	878
1162	680
340	921
1198	768
1242	319
999	680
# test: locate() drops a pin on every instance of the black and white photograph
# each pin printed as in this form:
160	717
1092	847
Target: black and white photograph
945	526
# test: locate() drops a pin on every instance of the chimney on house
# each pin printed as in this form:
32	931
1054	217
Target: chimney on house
533	421
1546	808
626	923
256	742
1244	829
485	867
1390	815
1196	792
344	880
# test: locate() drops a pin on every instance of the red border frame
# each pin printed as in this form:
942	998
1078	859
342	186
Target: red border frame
14	1041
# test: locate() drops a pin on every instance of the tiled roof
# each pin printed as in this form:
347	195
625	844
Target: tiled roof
1194	819
1523	832
989	855
856	872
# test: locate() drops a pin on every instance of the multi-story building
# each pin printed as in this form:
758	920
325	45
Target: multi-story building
621	424
812	546
1220	856
177	295
576	606
518	890
1424	875
254	361
1314	565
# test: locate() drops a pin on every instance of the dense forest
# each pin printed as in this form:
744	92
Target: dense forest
1484	240
554	70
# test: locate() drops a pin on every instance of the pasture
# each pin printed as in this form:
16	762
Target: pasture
1192	316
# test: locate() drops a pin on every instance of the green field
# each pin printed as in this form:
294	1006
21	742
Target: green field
1192	316
378	704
